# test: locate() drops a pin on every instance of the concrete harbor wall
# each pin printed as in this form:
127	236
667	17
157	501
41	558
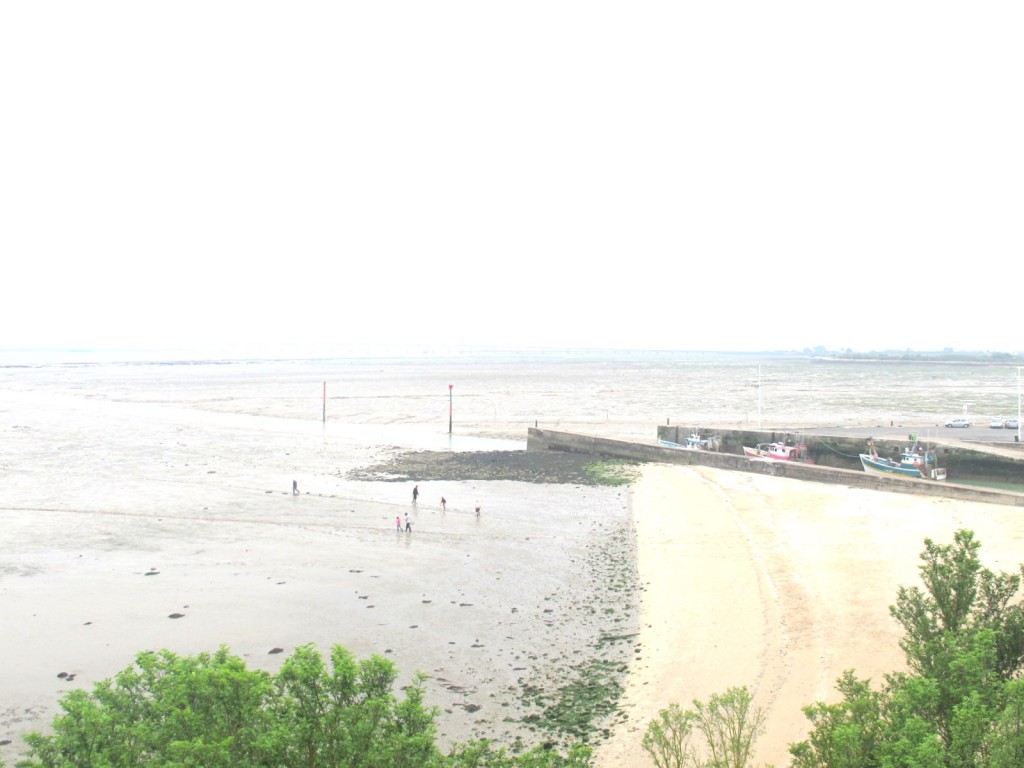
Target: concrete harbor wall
551	440
842	451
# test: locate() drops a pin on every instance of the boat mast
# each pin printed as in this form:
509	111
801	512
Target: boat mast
759	427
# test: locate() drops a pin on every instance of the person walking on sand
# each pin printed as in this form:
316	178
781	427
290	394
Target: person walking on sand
398	523
478	509
295	487
444	504
408	523
415	493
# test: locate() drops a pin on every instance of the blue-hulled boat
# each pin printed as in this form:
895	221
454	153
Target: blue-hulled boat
914	462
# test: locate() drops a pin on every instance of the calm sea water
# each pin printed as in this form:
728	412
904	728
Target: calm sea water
500	393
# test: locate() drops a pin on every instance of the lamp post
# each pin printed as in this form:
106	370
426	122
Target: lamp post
450	408
1018	404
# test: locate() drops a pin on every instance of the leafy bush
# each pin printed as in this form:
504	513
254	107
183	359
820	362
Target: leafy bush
727	724
210	711
962	704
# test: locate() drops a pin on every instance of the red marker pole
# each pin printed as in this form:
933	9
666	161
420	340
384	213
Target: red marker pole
450	408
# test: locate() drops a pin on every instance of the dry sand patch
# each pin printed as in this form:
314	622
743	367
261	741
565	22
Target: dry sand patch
779	585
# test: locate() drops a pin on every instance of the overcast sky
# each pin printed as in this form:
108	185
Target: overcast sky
679	175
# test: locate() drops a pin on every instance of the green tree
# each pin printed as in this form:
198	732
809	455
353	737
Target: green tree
730	727
168	710
907	735
1005	741
346	716
667	738
846	734
728	724
964	644
960	596
962	633
209	711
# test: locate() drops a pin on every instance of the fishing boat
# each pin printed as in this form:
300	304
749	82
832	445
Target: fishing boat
914	462
694	443
777	451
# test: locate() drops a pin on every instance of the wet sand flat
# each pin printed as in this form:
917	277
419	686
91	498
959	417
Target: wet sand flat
129	529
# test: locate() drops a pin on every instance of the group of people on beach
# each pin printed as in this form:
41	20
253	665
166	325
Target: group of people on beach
415	501
398	519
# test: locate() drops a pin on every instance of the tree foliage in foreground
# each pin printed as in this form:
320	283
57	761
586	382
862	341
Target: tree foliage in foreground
210	711
717	734
961	705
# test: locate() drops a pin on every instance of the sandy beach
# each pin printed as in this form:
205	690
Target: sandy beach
129	528
778	585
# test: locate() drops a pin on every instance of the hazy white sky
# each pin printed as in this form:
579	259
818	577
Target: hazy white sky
678	175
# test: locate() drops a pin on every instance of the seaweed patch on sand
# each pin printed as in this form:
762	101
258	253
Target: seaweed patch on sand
569	625
558	467
577	697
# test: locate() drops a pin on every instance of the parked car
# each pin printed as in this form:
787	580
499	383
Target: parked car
958	422
996	423
1011	424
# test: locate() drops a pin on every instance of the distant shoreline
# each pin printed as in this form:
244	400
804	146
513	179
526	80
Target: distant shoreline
25	357
916	361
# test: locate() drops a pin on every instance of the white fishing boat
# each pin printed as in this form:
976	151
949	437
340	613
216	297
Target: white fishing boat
695	442
777	451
